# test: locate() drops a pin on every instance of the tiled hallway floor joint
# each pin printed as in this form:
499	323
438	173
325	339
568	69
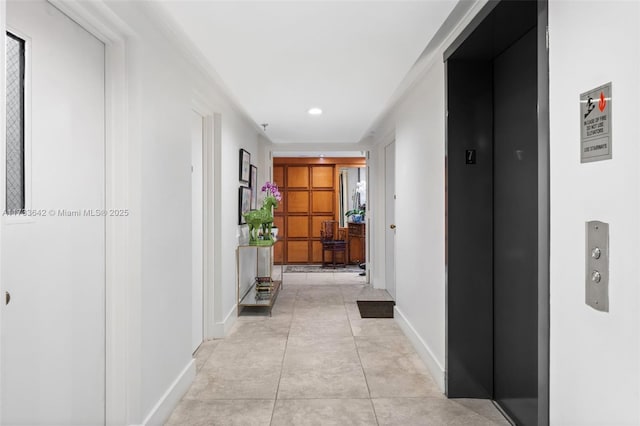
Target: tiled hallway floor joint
316	362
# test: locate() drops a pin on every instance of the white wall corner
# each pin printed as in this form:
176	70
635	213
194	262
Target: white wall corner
165	406
423	349
222	329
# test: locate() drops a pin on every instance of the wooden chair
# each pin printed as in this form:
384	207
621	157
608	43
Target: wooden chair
334	240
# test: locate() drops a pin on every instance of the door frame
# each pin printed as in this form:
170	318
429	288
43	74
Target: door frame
123	324
544	214
123	284
386	222
122	188
211	124
108	279
543	195
202	216
368	232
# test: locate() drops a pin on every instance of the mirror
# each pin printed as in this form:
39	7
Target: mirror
353	193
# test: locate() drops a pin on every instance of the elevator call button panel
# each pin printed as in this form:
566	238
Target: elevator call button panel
597	265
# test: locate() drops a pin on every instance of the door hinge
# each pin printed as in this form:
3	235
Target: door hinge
547	37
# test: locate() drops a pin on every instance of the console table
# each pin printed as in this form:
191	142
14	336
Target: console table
259	288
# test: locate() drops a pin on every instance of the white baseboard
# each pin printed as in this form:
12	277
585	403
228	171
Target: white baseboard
165	406
435	368
222	329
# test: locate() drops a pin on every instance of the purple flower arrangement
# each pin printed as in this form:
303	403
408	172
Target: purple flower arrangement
272	190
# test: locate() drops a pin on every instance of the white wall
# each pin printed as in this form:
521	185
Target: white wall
420	212
594	356
165	82
235	135
418	123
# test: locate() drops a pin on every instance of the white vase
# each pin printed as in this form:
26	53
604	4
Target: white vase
274	232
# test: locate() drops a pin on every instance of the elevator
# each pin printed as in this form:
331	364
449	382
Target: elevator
497	211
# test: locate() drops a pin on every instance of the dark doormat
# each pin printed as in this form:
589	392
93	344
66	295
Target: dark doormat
319	268
375	303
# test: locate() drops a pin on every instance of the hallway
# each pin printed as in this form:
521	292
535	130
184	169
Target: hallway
136	133
315	361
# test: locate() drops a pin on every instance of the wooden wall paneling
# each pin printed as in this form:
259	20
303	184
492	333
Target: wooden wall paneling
279	222
297	177
322	177
316	251
278	176
309	190
323	202
282	205
278	252
297	227
298	251
298	202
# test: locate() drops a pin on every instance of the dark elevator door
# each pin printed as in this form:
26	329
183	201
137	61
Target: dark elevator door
515	230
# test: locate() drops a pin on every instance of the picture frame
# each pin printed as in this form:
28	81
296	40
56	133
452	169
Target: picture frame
244	203
245	166
254	187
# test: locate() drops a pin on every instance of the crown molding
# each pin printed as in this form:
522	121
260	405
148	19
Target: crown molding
172	31
461	15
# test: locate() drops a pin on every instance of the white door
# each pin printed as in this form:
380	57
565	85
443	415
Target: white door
53	258
197	275
390	214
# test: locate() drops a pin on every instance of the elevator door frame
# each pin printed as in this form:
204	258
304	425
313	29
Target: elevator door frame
453	363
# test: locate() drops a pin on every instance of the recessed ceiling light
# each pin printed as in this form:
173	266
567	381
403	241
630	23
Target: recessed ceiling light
315	111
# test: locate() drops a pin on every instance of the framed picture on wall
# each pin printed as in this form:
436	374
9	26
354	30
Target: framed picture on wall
254	187
244	203
245	166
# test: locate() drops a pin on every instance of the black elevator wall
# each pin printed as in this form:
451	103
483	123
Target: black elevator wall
515	242
492	208
470	232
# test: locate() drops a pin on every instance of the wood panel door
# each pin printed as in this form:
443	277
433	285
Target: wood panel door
309	198
53	262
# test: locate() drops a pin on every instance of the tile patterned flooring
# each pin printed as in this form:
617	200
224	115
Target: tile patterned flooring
316	362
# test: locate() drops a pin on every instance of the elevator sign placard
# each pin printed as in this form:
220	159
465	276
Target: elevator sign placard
595	124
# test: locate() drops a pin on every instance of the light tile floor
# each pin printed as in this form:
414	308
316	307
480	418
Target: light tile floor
316	362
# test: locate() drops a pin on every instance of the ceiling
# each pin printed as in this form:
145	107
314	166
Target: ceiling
280	58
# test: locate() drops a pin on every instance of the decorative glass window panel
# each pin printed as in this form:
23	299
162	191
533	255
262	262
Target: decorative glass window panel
15	191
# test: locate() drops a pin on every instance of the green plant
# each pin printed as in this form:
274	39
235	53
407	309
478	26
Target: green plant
353	212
